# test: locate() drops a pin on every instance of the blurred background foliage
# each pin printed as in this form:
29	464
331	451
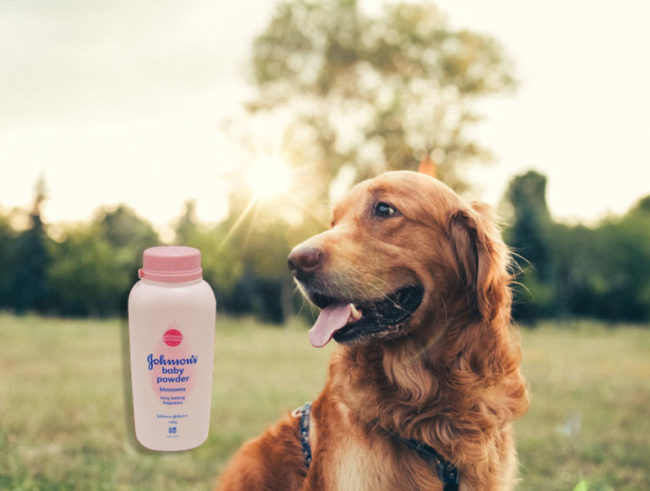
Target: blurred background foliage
602	271
377	92
363	94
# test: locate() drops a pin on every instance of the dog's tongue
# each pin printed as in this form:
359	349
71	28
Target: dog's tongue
331	319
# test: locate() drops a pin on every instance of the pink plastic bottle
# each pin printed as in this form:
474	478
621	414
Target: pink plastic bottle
171	331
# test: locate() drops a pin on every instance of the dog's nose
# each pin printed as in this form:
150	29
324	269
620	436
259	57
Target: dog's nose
304	260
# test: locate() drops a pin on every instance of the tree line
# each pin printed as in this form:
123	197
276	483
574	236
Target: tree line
87	269
600	271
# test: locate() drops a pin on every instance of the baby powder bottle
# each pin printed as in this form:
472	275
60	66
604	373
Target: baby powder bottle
171	332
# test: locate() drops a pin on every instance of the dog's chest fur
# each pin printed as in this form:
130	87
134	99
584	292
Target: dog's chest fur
360	461
363	467
355	466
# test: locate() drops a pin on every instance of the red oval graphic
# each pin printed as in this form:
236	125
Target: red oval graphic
172	337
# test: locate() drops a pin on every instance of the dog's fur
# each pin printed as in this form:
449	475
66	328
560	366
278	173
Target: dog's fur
449	376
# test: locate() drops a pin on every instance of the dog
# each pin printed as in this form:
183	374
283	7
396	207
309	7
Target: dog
414	287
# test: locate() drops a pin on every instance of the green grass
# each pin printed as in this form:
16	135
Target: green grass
65	409
588	417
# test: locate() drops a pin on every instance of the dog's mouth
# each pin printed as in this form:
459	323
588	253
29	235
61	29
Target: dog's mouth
348	321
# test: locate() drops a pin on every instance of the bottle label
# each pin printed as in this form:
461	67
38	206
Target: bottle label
172	367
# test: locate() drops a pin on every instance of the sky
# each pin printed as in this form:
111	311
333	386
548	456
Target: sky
127	102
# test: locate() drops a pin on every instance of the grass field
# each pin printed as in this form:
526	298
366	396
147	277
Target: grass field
65	409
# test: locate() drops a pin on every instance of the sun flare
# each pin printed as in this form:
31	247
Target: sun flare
269	177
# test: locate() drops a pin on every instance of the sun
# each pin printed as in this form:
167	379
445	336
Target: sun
269	177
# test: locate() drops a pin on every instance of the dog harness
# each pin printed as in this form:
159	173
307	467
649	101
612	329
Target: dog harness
303	426
447	472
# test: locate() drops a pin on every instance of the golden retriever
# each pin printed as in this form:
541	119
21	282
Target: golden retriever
414	287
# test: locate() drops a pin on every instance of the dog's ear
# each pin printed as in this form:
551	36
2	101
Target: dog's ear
482	259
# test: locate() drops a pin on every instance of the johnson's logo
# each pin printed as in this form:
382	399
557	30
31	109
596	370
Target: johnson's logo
162	361
172	337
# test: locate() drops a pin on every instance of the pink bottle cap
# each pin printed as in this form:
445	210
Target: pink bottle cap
171	264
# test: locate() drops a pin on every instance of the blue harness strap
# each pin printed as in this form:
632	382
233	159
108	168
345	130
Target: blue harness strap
447	472
304	412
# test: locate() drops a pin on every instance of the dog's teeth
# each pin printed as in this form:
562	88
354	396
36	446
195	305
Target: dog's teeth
355	314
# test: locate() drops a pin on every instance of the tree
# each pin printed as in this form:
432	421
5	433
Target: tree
531	220
187	224
376	92
220	259
95	265
129	235
89	276
123	228
29	287
249	261
576	268
266	276
529	235
621	278
7	262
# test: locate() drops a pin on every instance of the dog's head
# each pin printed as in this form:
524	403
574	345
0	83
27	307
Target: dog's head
403	249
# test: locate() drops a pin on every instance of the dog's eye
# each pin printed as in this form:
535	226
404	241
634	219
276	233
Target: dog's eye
384	210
